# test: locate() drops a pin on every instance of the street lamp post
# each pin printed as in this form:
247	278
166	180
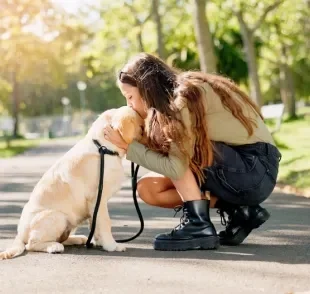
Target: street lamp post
82	87
66	104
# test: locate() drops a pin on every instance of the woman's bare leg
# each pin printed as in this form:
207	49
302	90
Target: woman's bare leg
158	190
187	187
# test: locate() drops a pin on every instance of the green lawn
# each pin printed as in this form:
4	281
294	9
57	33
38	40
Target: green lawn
16	147
20	145
294	143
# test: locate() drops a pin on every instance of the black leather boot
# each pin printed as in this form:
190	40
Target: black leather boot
195	231
241	222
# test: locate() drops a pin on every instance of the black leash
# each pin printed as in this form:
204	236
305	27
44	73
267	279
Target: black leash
134	175
134	178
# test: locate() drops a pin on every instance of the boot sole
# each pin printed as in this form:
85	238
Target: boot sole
244	232
205	243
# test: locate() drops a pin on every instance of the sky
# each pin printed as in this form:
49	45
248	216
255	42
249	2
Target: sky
72	6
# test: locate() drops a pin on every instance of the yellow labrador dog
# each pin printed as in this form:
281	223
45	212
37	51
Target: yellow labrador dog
66	194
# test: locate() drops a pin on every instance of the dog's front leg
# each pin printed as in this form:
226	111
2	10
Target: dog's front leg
103	235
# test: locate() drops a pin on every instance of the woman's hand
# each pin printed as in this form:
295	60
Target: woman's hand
114	137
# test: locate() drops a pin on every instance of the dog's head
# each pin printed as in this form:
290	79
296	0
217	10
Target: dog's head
124	119
128	122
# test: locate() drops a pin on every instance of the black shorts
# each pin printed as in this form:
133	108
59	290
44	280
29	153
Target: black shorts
243	175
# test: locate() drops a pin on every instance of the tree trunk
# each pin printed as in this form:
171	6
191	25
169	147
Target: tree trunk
207	57
291	97
160	37
307	24
287	86
250	51
140	41
15	104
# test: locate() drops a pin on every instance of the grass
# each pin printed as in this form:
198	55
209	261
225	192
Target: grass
16	147
293	140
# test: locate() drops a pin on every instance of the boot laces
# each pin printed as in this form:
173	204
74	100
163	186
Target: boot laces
184	219
177	209
224	222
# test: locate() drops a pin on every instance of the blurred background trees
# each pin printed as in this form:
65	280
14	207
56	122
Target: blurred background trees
46	48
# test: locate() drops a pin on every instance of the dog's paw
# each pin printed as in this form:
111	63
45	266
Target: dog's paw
113	247
120	247
55	248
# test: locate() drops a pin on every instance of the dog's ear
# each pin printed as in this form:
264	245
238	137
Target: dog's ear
128	128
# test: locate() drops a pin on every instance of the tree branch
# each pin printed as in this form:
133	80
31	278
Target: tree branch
265	13
245	30
148	17
134	12
168	9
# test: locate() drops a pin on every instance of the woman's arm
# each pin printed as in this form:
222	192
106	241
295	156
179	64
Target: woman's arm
173	165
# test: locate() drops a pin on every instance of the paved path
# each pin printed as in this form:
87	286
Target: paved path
274	259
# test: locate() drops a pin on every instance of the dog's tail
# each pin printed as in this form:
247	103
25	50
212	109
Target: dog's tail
18	247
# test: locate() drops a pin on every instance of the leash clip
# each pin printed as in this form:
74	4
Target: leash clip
102	149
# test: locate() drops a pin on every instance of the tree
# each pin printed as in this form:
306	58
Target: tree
285	52
248	36
159	32
15	17
139	22
31	56
5	92
207	57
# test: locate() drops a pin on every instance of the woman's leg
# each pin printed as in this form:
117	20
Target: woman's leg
158	190
196	230
242	178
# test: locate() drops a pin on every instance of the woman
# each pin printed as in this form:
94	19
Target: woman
203	136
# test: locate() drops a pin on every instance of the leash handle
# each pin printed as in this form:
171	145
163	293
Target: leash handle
134	179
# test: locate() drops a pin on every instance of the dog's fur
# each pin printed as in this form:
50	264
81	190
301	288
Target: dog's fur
66	194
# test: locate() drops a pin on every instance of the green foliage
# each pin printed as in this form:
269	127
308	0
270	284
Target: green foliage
40	60
50	61
16	147
5	90
231	60
285	28
295	163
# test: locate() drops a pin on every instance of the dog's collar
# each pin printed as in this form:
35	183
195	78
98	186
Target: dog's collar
104	150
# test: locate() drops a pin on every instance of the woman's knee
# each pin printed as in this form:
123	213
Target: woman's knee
142	187
145	191
150	187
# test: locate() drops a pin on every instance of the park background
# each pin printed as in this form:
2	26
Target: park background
59	60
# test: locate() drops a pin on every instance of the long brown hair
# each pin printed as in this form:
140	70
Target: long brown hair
156	82
160	86
189	87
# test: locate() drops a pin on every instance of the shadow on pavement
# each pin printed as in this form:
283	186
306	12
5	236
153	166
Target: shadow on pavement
285	254
284	238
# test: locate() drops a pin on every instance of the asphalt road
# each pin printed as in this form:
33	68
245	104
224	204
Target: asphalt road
274	259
